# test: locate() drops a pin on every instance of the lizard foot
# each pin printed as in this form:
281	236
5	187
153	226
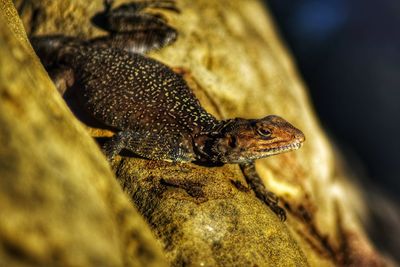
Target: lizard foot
277	210
255	182
269	198
133	28
140	5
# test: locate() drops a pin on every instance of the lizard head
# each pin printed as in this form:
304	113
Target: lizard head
242	140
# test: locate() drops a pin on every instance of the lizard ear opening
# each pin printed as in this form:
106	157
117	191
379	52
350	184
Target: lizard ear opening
232	141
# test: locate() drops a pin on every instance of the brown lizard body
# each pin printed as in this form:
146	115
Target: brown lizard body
156	114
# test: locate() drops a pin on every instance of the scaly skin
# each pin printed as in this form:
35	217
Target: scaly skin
157	115
243	141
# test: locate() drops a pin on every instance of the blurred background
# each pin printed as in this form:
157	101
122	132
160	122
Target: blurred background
348	52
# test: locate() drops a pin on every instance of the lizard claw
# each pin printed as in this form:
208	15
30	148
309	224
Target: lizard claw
272	201
271	197
280	212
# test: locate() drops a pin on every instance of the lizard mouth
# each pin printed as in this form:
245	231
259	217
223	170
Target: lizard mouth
281	149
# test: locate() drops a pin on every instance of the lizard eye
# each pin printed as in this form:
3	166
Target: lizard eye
264	132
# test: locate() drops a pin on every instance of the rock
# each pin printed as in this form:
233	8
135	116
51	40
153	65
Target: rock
60	204
233	59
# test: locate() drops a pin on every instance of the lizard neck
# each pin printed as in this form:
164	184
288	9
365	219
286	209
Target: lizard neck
206	140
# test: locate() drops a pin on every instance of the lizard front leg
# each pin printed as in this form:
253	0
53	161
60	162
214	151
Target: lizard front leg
147	144
255	182
133	29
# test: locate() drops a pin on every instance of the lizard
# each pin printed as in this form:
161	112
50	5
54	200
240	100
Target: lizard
153	110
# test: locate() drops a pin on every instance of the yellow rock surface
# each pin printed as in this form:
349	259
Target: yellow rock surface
237	66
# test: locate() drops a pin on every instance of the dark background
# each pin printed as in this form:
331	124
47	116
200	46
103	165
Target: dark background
348	52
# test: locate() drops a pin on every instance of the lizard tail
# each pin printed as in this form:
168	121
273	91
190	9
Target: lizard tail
48	48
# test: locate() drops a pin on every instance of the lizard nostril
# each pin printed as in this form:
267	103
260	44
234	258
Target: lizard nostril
300	136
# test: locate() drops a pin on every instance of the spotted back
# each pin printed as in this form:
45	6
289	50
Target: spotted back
130	91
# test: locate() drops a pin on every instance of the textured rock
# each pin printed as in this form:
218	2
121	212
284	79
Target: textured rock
59	202
203	219
237	66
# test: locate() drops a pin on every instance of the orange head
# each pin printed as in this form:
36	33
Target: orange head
243	140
